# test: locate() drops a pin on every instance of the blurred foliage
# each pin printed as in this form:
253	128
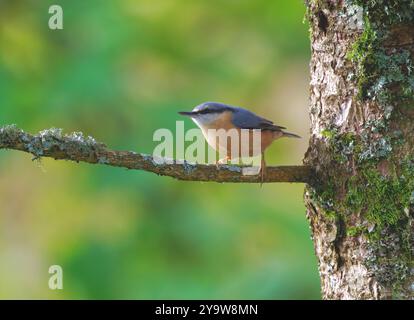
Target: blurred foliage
118	71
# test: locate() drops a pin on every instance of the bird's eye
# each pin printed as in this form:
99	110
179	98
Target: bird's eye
205	111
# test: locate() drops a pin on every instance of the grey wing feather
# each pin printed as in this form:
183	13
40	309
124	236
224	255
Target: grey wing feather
246	119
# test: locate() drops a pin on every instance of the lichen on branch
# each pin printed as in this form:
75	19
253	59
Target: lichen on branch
53	143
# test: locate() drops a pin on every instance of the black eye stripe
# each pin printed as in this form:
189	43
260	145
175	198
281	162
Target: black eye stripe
208	111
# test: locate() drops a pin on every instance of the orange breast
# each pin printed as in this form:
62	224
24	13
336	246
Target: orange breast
221	125
223	121
232	142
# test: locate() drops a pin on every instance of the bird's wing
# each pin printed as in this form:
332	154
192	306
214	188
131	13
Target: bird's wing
246	119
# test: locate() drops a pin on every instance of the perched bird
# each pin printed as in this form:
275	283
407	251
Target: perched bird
214	115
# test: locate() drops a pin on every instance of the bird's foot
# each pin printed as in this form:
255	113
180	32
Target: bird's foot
222	162
262	175
262	170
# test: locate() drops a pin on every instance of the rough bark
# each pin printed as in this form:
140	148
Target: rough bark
52	143
361	146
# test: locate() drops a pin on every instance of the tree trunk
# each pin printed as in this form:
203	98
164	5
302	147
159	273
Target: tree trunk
361	207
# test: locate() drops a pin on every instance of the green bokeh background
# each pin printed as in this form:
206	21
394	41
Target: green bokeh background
118	71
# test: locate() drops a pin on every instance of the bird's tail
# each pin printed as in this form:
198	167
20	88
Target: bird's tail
290	135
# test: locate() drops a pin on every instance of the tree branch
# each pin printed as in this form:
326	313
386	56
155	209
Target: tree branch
54	144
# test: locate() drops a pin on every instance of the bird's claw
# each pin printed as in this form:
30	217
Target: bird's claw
262	175
221	162
262	170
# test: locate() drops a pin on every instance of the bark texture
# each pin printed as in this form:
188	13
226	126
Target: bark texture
362	147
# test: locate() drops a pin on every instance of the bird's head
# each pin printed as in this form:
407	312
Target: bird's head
206	112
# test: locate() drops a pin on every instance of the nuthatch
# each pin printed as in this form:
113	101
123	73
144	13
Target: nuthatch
214	115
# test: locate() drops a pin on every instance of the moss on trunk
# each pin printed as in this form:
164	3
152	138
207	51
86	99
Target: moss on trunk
362	144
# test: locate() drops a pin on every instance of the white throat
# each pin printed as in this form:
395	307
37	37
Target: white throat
205	119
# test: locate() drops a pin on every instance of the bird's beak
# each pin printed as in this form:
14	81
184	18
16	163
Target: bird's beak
189	114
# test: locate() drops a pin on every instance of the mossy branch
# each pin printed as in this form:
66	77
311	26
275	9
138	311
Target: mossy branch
54	144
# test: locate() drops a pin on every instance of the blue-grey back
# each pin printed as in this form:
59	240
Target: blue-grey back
246	119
